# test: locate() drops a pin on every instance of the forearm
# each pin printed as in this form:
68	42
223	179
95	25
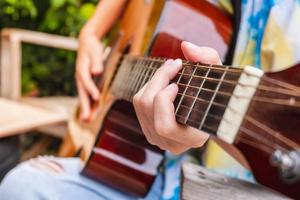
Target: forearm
106	14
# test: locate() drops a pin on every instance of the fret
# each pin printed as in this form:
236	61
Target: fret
198	92
137	77
149	70
202	94
212	99
128	69
178	81
132	76
185	90
142	76
156	66
119	88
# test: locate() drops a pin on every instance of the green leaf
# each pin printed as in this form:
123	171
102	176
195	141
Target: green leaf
58	3
87	10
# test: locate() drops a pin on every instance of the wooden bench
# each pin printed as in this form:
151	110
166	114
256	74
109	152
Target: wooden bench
200	183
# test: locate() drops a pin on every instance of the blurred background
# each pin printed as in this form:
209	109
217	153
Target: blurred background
62	17
45	71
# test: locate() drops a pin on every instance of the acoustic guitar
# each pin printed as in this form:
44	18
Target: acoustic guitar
258	113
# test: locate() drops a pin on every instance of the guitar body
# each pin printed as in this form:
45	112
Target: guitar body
121	157
276	127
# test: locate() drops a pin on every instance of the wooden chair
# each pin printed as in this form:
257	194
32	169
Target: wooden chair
20	114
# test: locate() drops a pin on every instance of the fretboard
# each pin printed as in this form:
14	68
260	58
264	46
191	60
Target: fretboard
204	90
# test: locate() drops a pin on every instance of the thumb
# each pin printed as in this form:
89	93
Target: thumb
204	55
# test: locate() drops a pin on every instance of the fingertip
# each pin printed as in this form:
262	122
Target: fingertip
168	61
202	54
172	87
97	70
191	52
177	62
84	115
96	96
188	46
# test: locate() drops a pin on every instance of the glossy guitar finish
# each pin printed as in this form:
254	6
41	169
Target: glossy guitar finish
122	158
273	127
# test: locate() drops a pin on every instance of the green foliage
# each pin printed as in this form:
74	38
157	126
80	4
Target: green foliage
45	70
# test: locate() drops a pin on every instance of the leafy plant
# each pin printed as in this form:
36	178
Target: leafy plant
47	71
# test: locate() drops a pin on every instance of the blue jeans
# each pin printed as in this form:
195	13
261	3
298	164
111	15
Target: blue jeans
52	178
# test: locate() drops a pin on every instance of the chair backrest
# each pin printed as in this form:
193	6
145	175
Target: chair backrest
11	55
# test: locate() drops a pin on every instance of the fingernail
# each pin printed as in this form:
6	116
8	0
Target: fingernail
97	71
177	62
191	45
83	118
84	115
95	96
169	61
172	87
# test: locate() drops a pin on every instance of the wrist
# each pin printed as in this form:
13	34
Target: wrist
87	32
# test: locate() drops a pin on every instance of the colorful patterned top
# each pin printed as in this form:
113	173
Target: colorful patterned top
268	40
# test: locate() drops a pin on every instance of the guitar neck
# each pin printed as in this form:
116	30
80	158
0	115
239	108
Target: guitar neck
204	90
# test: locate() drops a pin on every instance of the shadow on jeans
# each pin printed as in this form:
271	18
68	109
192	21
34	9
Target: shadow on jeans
10	154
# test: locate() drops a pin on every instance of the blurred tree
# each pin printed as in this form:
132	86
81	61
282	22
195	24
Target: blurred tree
47	71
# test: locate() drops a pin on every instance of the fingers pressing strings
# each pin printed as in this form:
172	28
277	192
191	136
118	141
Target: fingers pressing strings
165	121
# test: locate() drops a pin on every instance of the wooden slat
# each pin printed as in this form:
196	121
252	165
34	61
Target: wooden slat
16	117
200	183
59	104
39	38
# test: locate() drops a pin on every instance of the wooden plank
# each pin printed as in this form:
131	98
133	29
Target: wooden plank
61	104
56	130
16	117
42	39
200	183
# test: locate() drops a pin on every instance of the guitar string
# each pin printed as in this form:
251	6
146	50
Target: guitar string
282	91
276	146
273	132
246	133
249	132
265	143
234	83
184	62
262	87
193	97
224	68
256	146
211	66
222	105
215	103
211	115
253	121
285	102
